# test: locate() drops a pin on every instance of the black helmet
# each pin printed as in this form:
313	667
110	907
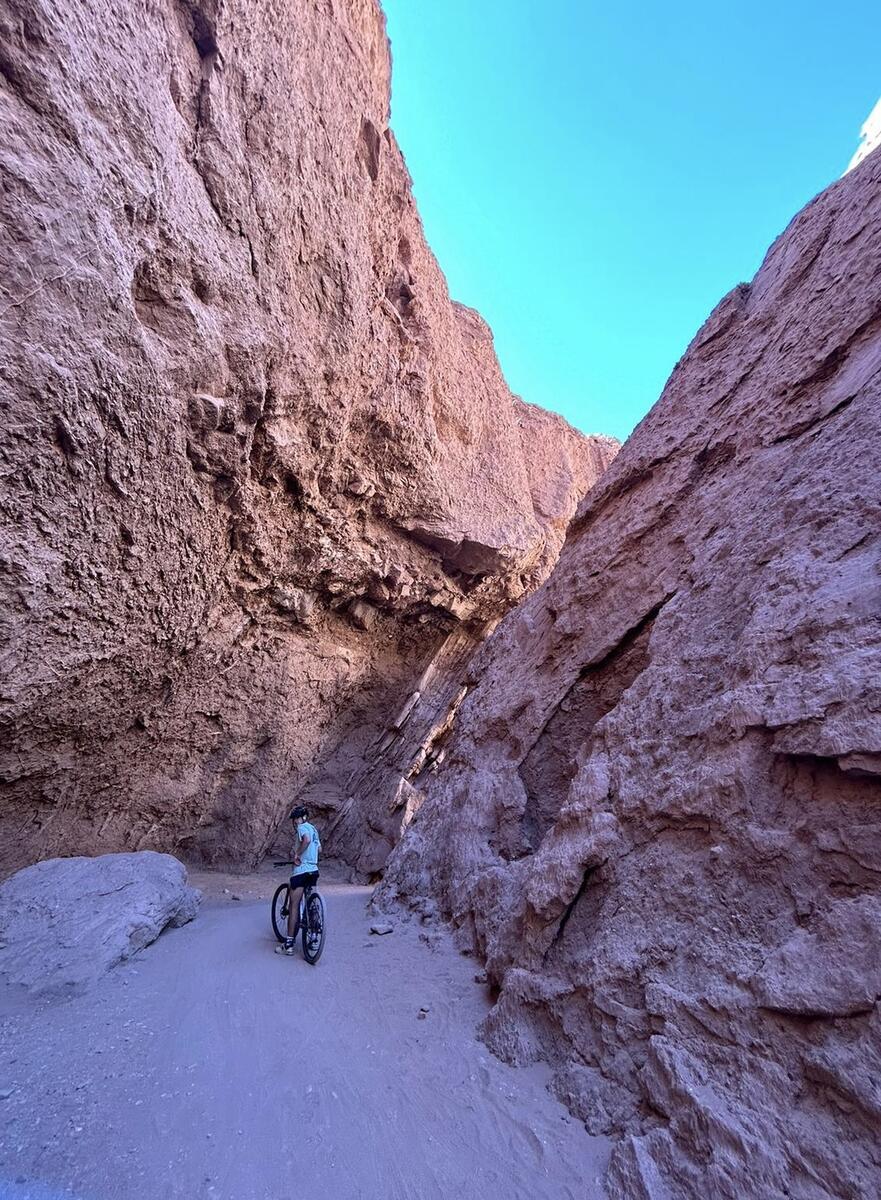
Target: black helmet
299	813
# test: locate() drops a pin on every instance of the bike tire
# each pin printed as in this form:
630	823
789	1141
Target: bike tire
314	929
280	912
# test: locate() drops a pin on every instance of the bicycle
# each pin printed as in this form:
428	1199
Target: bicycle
312	924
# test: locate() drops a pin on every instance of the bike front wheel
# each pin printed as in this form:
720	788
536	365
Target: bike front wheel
314	929
280	902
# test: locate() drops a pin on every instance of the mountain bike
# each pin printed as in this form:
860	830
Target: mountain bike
311	924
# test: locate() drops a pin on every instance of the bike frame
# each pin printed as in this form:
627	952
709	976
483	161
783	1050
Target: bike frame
304	904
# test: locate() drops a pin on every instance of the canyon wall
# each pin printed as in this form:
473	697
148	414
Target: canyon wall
659	819
258	469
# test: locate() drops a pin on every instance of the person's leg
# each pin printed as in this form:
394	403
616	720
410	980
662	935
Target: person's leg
294	896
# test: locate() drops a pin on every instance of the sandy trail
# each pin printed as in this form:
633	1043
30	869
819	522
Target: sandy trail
210	1067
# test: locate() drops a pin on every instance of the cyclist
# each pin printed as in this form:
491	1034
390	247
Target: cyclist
304	874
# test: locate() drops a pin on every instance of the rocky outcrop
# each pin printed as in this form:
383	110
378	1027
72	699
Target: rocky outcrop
65	922
257	468
657	820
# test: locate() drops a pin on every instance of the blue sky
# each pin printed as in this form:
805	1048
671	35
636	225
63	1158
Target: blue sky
594	177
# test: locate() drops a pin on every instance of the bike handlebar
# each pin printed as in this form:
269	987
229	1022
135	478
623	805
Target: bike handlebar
289	862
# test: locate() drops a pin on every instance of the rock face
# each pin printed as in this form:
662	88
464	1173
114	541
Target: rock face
256	466
66	921
659	818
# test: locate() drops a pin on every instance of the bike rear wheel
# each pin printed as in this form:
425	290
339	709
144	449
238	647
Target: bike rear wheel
280	902
314	928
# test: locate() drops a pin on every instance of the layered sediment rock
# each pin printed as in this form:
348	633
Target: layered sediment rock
658	819
256	466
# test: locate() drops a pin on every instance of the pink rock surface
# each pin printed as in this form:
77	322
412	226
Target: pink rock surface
658	820
256	465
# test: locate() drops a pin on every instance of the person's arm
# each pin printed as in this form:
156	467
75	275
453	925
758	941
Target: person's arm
304	842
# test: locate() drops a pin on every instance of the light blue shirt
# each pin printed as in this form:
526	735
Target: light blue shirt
309	857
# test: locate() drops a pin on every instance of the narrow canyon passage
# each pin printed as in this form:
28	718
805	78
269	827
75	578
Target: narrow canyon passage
275	531
211	1067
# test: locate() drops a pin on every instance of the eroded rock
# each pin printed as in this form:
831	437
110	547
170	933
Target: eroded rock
300	604
362	614
832	969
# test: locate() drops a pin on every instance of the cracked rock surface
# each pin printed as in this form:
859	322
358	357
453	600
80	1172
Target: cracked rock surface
658	820
256	465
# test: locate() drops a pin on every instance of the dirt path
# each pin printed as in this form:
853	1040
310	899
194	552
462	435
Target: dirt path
212	1068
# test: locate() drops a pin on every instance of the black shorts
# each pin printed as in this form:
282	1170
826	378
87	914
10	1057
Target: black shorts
304	879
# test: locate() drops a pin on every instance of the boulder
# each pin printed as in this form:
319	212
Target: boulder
65	922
